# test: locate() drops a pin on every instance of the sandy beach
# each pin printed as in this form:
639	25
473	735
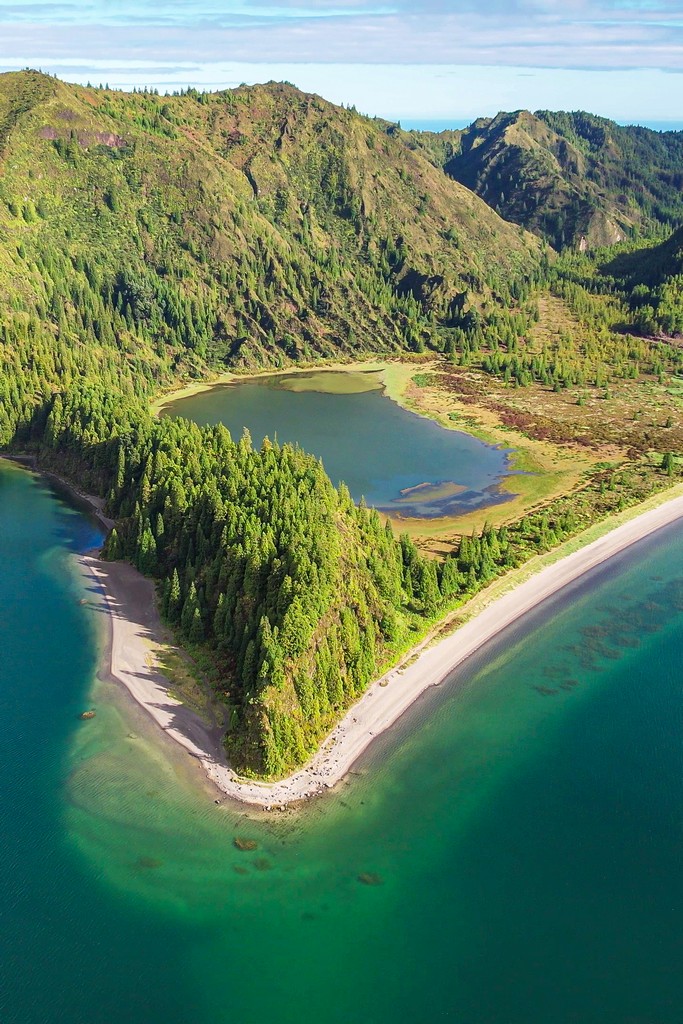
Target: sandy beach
136	630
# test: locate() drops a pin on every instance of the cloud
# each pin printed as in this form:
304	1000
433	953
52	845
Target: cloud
530	33
394	57
182	13
387	56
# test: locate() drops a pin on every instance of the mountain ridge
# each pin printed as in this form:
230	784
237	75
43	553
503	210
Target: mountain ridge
568	176
218	190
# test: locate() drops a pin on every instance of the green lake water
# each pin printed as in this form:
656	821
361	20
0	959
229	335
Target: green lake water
524	824
399	462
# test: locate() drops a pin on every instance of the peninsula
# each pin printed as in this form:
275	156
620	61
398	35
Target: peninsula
136	632
149	243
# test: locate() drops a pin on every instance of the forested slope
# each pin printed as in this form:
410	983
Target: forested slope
651	281
252	227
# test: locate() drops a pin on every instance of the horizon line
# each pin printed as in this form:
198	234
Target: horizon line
401	120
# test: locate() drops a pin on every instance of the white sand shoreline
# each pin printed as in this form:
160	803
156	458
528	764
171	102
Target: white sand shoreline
128	657
136	628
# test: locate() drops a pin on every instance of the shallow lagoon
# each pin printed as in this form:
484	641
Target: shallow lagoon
402	463
524	826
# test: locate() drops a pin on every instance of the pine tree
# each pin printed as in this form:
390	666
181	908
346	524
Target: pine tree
174	598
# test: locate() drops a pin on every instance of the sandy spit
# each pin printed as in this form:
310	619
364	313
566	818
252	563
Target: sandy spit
136	629
135	633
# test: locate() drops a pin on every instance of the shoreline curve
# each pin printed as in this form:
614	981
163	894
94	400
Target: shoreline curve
136	628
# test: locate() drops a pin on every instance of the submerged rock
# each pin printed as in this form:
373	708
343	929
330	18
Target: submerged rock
148	862
369	878
245	844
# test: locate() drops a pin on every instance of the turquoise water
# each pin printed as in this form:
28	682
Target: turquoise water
380	450
523	826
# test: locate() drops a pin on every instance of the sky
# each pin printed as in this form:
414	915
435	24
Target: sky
432	59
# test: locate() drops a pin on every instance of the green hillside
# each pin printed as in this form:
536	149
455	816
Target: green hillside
572	178
146	240
651	282
276	225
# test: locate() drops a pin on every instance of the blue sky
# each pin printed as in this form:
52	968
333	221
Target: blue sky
432	58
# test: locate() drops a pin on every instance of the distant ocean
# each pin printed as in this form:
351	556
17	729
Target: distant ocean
664	126
427	125
411	124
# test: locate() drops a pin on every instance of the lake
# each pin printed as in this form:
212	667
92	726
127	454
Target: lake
401	463
522	828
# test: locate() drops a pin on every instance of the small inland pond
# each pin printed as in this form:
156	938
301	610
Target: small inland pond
401	463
